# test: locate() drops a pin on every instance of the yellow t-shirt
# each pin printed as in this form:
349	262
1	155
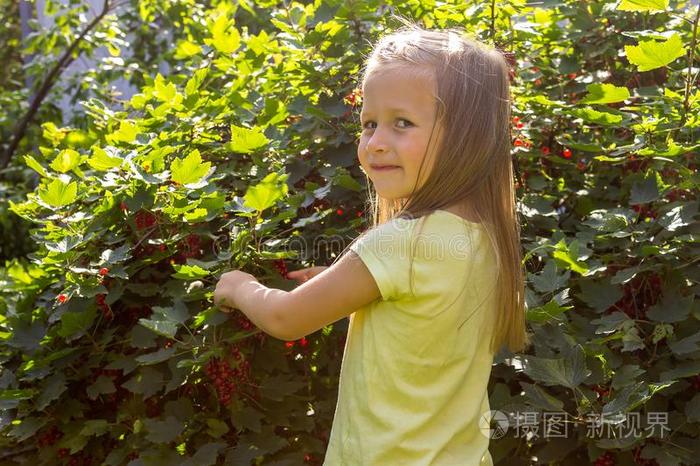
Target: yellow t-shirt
414	375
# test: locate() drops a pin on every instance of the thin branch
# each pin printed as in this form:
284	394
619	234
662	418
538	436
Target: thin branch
53	75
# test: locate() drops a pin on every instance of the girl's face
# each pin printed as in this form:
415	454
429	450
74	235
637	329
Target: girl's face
398	111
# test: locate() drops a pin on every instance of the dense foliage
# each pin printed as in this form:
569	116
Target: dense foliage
242	155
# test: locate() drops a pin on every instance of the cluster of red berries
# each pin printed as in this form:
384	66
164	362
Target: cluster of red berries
633	164
281	267
640	293
244	323
49	437
191	246
353	98
224	377
637	454
106	310
303	342
676	194
103	271
79	459
311	459
141	251
645	211
601	390
61	298
518	141
606	459
144	219
695	382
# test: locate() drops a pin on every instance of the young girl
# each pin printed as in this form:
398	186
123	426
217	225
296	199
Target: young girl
435	288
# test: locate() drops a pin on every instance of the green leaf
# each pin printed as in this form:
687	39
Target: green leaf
593	116
53	388
103	385
66	160
102	161
189	170
644	191
148	381
165	328
165	91
58	193
549	311
126	133
605	94
189	272
692	409
599	295
75	322
538	397
568	371
547	280
685	345
35	165
643	5
649	55
208	453
216	428
224	36
245	140
163	431
265	194
626	375
185	49
94	427
671	308
27	427
157	356
568	255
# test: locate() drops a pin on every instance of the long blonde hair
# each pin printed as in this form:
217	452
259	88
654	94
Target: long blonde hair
473	164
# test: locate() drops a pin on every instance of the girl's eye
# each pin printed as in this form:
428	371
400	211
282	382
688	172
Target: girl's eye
406	123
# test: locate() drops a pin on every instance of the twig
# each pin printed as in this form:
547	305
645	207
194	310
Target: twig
65	60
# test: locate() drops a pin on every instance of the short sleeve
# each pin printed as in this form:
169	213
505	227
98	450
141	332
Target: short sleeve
385	250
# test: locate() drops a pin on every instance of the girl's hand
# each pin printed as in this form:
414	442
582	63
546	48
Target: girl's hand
303	275
227	287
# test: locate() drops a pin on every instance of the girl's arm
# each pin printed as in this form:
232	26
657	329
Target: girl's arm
336	292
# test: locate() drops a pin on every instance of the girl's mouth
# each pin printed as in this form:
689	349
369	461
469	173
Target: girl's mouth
384	167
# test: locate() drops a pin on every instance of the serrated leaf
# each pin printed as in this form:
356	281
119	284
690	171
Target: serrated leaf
189	272
266	193
605	94
58	193
549	311
186	49
644	191
189	170
102	161
53	388
643	5
591	115
216	428
224	36
671	308
65	161
94	427
568	371
35	165
163	431
148	381
28	427
568	254
649	55
75	322
246	140
685	345
165	328
161	355
126	133
103	385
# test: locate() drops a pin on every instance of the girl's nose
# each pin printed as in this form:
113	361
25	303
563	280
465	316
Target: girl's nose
377	142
